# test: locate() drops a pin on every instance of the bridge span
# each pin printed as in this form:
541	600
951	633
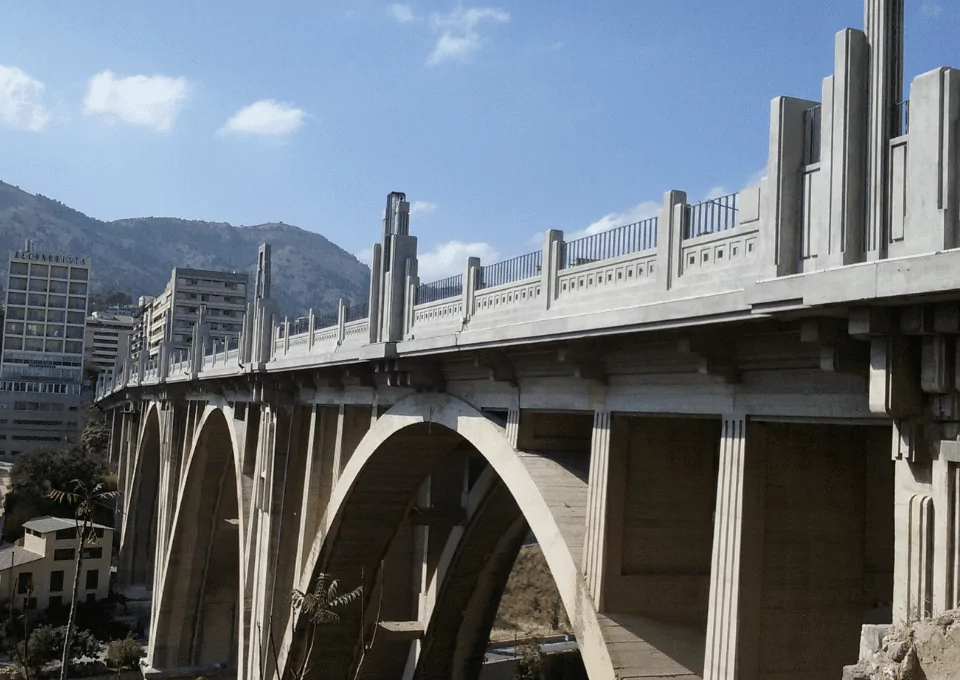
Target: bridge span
733	427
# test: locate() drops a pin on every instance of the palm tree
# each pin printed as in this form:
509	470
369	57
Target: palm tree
320	605
84	502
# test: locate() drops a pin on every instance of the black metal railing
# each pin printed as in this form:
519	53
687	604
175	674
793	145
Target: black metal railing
630	238
357	312
326	320
515	269
811	135
901	118
711	216
449	287
300	325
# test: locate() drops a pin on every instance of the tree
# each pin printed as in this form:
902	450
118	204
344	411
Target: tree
125	653
46	644
95	437
531	661
320	605
36	472
84	500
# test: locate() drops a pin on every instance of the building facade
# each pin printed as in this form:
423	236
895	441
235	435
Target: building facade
174	313
41	365
39	574
107	337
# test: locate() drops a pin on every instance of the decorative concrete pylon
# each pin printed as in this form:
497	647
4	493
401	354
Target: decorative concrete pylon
883	24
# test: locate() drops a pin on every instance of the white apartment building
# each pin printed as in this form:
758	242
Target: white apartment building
107	337
39	573
173	314
41	365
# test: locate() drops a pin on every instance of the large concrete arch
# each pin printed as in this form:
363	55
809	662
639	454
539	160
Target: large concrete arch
396	454
138	542
198	618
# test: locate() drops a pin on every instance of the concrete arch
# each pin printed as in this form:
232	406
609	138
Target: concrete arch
430	426
198	619
138	542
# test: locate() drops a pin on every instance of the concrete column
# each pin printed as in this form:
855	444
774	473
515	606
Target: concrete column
470	272
723	622
311	327
594	553
848	149
669	235
375	276
550	265
341	320
352	423
883	24
781	211
933	175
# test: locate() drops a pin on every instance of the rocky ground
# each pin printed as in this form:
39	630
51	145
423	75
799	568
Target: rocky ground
929	650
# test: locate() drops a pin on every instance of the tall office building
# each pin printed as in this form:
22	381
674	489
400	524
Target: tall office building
41	365
107	337
173	314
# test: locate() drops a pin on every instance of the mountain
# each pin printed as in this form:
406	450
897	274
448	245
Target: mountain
135	256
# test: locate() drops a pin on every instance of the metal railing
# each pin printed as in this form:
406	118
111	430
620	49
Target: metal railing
449	287
711	216
630	238
300	325
326	320
357	312
515	269
901	118
811	135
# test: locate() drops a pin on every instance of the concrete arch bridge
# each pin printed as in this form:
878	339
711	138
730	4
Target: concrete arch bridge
733	428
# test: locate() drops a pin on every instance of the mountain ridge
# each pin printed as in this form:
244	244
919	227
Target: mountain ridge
135	255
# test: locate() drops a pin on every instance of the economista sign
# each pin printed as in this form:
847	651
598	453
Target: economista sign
49	258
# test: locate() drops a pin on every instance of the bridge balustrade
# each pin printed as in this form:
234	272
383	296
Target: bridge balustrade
712	215
625	240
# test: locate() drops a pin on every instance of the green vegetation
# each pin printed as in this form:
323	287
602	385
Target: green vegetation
125	653
321	606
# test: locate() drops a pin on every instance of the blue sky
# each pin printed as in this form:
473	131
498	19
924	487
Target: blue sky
498	119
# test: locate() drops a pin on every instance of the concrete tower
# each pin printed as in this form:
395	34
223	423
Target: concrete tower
883	24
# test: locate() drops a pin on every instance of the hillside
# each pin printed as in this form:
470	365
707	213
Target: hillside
136	255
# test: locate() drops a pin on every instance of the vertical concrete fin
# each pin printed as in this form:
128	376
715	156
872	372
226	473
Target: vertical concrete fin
919	558
594	550
723	621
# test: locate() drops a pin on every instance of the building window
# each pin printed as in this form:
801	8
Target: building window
30	603
93	579
56	581
56	601
98	533
61	554
92	553
24	582
63	534
91	597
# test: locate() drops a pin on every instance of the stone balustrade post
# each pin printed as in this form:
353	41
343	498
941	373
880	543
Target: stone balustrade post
550	265
933	156
311	327
470	273
341	320
286	335
669	237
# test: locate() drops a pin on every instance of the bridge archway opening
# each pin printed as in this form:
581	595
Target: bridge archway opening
141	525
199	615
818	547
446	525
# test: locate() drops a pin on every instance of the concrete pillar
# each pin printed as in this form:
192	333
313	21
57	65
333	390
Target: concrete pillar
669	236
594	552
781	211
933	175
470	273
723	622
847	151
883	24
550	265
352	423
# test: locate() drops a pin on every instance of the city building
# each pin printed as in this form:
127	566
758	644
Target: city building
41	364
107	336
39	573
138	333
173	314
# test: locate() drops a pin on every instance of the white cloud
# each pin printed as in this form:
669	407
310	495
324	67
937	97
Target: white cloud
365	256
639	212
265	117
151	101
757	177
402	13
21	101
931	10
448	259
459	38
422	208
717	192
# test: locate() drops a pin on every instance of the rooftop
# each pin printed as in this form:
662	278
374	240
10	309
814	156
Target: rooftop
46	524
15	555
